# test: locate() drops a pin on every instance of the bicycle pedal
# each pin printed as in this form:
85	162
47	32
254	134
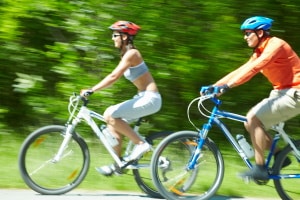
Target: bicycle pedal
132	167
247	179
127	164
261	182
118	173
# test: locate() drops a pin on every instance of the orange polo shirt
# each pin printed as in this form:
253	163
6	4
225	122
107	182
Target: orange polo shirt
275	59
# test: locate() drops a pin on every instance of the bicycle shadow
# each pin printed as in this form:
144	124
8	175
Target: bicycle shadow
110	195
22	194
133	196
220	197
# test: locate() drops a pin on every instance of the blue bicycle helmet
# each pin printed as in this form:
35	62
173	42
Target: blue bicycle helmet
257	23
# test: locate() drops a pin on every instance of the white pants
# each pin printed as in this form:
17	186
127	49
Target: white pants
143	104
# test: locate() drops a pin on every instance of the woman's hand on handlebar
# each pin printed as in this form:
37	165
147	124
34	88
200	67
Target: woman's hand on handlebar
86	92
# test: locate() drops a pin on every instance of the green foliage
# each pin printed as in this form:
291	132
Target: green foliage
50	49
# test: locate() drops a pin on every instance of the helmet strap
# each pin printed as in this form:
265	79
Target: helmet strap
129	44
123	42
259	38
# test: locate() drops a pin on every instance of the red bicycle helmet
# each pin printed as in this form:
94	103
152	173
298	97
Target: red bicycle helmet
125	27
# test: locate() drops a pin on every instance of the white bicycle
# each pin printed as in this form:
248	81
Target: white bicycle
55	159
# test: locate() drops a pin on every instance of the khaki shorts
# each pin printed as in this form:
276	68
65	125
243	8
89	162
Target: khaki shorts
280	106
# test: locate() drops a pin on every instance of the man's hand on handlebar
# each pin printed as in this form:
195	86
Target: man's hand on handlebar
218	90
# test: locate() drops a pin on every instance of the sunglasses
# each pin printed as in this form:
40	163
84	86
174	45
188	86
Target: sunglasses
248	33
115	35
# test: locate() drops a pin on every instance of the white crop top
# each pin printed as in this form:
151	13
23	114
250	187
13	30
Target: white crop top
132	73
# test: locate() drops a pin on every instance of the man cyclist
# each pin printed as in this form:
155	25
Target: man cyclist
276	60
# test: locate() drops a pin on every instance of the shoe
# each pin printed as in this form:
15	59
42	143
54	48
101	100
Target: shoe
138	151
109	170
287	161
258	172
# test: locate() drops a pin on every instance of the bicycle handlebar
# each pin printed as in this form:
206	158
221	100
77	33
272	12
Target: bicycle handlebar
214	89
88	93
84	100
205	90
201	108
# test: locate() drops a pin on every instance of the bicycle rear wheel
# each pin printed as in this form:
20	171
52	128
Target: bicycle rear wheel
288	186
142	175
168	167
38	168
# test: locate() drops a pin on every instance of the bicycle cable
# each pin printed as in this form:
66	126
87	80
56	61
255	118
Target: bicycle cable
199	99
73	107
201	108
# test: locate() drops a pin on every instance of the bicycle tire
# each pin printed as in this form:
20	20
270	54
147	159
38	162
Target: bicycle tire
142	176
287	188
174	181
36	164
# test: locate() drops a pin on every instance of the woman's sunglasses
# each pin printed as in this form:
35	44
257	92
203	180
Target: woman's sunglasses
115	35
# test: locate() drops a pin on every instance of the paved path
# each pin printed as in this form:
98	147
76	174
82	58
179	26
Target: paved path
16	194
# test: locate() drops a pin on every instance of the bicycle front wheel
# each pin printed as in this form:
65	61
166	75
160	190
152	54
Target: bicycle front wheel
169	162
142	175
287	186
45	175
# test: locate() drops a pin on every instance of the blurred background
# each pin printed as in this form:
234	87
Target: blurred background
50	49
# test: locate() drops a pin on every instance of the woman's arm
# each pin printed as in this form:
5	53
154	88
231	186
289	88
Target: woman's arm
111	78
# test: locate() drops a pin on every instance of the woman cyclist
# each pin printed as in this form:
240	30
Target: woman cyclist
146	102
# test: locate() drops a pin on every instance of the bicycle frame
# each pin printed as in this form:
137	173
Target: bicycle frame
87	115
55	159
214	119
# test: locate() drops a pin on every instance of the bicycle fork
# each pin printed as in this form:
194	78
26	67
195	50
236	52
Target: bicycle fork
197	151
70	127
67	138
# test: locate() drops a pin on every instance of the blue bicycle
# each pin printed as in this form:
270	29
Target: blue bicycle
193	166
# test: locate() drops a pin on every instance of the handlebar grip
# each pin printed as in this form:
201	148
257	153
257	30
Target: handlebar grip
214	89
88	93
207	90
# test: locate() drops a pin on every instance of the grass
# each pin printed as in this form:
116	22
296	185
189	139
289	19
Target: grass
231	186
